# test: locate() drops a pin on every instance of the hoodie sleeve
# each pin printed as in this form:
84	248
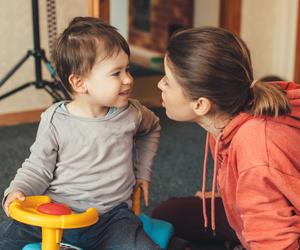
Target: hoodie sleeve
146	142
266	200
36	173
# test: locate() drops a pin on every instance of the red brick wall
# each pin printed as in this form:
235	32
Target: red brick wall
163	14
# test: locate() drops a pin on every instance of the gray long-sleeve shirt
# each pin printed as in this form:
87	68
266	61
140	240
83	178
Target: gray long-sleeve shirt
88	162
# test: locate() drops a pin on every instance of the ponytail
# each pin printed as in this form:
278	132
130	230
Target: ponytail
268	100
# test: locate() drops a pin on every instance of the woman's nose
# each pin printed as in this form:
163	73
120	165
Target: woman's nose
160	85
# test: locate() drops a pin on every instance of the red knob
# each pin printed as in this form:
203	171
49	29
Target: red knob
54	209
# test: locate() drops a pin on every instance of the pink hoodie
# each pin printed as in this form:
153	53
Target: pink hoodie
257	169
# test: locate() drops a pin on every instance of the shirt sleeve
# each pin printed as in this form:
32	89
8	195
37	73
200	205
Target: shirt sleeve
266	200
36	173
146	143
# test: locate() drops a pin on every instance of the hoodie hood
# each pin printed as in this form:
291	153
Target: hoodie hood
222	142
293	119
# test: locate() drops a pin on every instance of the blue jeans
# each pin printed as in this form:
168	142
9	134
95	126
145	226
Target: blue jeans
117	229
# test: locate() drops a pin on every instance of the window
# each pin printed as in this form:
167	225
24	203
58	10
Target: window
141	15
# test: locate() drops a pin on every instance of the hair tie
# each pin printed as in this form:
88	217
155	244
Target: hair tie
253	83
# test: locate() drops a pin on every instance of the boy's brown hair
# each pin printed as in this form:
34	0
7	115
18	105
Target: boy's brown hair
85	41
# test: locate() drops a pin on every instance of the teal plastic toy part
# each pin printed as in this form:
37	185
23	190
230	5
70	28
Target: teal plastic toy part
158	230
38	246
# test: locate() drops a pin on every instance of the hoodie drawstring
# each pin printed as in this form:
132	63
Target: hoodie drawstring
214	184
216	151
204	182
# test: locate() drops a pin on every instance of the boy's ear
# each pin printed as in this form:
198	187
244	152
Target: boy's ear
202	106
77	83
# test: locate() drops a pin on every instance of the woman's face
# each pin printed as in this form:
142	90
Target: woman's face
178	106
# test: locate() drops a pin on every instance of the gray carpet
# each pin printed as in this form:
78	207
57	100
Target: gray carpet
177	169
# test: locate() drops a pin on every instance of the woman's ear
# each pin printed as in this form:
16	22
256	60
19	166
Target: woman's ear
77	83
202	106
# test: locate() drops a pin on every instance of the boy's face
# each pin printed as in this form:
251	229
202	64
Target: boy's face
109	83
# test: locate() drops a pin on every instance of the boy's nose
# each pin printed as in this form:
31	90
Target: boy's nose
127	80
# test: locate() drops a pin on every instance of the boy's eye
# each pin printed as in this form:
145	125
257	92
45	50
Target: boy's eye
116	73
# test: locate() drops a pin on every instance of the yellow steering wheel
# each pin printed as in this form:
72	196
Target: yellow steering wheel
51	217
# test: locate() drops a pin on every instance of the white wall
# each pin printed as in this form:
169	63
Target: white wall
269	29
119	16
267	26
16	39
206	13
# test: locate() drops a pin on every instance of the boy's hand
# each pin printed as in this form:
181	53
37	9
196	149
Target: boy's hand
12	197
199	194
207	194
145	187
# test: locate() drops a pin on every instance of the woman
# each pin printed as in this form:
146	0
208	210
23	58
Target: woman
253	132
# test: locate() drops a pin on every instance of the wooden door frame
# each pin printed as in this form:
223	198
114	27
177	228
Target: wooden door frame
297	55
230	15
99	8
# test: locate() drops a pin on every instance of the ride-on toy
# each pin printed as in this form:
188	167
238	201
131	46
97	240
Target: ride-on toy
54	217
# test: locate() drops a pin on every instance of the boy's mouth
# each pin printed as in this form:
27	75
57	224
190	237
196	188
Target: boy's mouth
126	92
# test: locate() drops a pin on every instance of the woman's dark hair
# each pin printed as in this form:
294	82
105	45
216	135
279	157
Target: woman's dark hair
215	63
83	42
271	78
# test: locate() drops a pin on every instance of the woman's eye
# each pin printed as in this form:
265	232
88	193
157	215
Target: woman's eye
128	69
116	73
